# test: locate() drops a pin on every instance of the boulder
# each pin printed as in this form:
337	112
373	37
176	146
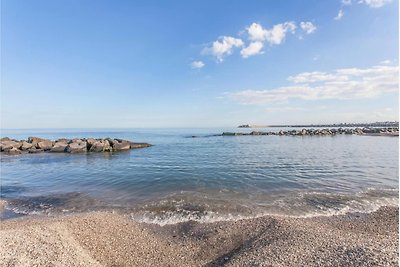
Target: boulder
98	146
14	151
139	145
63	140
35	140
35	150
59	147
45	145
4	139
76	140
26	145
91	141
77	147
107	146
8	144
119	146
5	147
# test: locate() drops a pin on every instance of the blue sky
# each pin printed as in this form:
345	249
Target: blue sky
130	64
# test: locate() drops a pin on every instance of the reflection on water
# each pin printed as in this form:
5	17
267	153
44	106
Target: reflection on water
210	177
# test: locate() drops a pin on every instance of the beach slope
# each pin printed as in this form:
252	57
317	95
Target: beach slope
110	239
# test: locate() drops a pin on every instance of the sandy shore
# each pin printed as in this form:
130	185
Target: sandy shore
108	239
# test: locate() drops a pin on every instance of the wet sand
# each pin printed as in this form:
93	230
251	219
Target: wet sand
111	239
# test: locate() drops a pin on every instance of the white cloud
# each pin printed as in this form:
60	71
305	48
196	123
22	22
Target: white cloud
385	62
223	47
346	2
350	83
258	37
291	109
316	76
308	27
197	64
256	32
339	15
277	34
254	48
273	36
375	3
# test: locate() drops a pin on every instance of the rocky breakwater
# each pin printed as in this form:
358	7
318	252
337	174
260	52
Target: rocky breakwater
391	131
63	145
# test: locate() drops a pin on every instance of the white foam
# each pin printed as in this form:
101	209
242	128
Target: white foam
353	206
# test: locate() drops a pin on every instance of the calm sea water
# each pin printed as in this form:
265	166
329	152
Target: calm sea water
206	178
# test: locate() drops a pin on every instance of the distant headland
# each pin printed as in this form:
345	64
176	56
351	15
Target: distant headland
372	124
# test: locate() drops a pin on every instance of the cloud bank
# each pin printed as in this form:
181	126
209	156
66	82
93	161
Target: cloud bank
349	83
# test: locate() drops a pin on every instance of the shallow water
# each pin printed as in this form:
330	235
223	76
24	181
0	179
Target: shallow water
205	178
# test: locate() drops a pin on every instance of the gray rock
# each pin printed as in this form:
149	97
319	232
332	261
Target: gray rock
45	145
98	146
91	141
14	151
119	146
77	147
63	140
9	144
139	145
59	147
35	150
35	140
25	145
76	140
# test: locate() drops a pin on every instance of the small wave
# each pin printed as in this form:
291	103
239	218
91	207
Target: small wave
303	205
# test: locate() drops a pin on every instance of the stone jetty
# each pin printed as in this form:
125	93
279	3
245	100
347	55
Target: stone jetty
391	131
63	145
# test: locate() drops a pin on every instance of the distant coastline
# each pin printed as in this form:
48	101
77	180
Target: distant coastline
373	124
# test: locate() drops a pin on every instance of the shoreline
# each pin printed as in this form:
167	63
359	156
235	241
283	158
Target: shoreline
106	238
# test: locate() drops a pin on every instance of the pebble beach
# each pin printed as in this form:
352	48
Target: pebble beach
114	239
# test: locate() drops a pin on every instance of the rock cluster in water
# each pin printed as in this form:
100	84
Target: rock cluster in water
393	131
63	145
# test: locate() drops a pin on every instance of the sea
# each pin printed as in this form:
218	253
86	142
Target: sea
194	175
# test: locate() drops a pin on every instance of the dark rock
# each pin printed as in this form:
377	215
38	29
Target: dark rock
4	139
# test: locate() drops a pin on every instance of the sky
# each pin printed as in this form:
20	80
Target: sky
144	64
